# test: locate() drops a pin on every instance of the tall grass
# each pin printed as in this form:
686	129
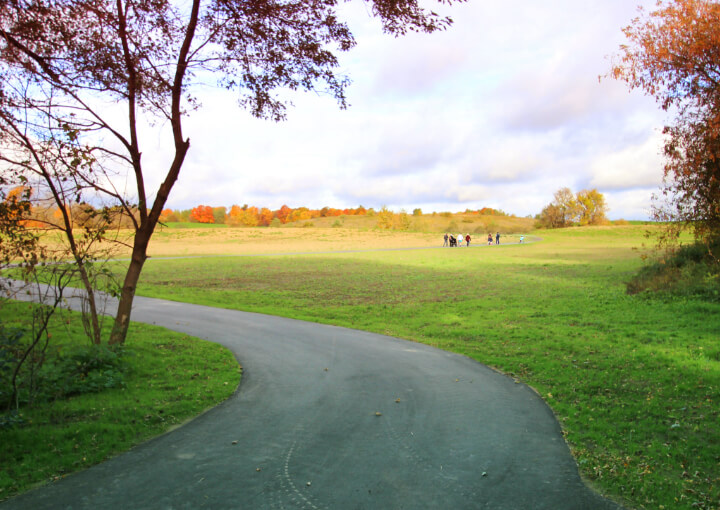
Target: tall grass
634	381
691	270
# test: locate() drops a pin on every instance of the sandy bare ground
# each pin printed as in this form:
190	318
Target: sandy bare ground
252	241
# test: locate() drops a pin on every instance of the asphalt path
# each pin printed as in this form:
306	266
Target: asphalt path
332	418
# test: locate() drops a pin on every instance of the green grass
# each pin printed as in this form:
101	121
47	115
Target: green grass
633	381
171	378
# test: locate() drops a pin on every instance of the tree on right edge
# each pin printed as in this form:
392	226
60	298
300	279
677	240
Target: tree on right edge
673	55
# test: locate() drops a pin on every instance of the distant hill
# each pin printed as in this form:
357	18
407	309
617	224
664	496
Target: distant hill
464	223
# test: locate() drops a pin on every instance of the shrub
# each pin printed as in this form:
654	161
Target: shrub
10	354
81	370
692	270
85	370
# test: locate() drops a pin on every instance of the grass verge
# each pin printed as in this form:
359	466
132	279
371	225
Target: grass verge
170	377
634	381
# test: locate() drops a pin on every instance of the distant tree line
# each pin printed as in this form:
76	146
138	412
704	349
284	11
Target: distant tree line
586	207
250	216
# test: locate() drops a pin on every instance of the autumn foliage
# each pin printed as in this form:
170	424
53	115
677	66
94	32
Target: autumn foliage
202	214
586	207
673	55
251	216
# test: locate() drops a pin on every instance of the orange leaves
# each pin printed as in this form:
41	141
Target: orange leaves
266	216
245	216
673	55
673	52
249	216
167	215
202	214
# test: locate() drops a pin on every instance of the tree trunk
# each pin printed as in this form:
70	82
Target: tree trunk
94	320
127	294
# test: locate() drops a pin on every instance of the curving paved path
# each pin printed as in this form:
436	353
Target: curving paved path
308	436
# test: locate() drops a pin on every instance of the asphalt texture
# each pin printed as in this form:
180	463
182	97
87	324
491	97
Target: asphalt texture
332	418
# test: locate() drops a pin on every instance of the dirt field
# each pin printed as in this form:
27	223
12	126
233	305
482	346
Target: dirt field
249	241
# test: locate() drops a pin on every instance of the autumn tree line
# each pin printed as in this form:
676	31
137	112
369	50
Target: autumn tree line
251	216
586	207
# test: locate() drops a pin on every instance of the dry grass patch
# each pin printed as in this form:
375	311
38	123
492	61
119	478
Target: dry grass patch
254	241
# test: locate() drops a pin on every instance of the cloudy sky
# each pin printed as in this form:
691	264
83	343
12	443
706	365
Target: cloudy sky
500	111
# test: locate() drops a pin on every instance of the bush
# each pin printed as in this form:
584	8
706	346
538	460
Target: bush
10	354
59	375
692	270
85	370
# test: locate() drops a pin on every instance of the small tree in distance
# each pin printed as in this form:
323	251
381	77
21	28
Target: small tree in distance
587	207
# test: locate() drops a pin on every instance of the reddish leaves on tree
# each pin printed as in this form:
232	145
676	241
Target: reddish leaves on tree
202	214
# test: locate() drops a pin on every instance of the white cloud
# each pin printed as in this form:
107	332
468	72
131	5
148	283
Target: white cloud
630	205
500	110
636	166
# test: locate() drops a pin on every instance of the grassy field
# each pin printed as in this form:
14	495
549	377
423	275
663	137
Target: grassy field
169	378
633	380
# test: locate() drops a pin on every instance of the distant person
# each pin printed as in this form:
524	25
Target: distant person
446	240
522	238
497	238
453	241
460	239
467	240
489	239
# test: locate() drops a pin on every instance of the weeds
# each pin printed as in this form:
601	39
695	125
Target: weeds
692	270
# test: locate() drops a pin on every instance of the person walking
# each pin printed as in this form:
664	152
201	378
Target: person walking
467	240
522	238
460	239
489	239
446	240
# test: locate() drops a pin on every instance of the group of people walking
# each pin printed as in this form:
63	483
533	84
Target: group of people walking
452	240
